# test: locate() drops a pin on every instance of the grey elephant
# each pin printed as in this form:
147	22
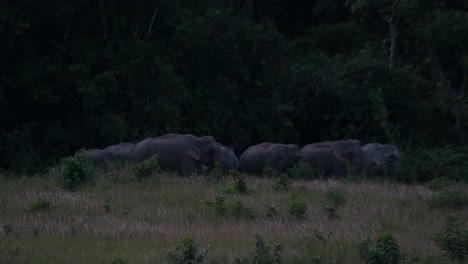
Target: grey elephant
180	153
280	157
96	157
120	152
228	160
333	157
380	159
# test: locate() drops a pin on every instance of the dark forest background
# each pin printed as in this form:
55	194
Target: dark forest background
84	74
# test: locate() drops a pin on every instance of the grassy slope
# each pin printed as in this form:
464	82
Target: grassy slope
148	219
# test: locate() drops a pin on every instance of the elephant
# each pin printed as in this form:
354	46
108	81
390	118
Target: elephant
96	157
180	153
378	158
228	160
280	156
332	157
120	152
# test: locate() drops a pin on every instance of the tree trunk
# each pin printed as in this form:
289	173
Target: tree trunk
393	39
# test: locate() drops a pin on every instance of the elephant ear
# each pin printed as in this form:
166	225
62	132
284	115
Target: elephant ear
376	161
389	151
343	151
283	153
194	152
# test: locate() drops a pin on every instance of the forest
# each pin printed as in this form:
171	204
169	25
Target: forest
85	74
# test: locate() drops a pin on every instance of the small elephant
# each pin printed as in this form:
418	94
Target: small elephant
180	153
280	157
332	157
96	157
378	158
120	152
228	160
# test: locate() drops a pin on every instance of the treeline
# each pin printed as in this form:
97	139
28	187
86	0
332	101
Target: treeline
83	74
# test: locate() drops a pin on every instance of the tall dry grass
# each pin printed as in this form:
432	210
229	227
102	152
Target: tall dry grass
146	220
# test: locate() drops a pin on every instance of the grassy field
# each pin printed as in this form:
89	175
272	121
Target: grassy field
141	222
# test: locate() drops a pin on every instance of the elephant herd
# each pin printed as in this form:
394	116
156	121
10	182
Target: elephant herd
186	154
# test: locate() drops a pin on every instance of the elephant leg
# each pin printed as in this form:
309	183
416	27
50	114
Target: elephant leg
189	167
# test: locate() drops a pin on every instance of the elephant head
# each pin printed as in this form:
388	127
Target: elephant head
228	160
288	155
205	150
349	151
380	157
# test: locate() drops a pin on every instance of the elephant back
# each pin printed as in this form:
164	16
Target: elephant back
122	151
279	156
333	157
96	157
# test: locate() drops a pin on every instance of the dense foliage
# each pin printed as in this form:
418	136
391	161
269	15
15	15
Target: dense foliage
83	74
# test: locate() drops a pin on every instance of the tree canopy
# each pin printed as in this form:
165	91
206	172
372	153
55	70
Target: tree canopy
83	74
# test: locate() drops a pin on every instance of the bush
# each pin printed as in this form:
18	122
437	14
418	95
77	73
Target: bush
331	211
270	172
76	171
385	251
297	207
107	204
282	184
440	183
453	241
218	205
240	211
335	197
240	185
262	254
272	212
449	198
425	165
305	171
39	205
119	260
186	252
146	168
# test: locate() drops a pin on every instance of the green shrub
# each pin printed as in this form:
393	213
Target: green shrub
218	205
240	211
146	168
236	209
240	185
425	165
270	172
335	197
213	173
76	171
262	254
107	204
282	184
272	212
119	260
186	252
39	205
331	211
302	170
297	207
449	198
439	183
385	251
454	242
